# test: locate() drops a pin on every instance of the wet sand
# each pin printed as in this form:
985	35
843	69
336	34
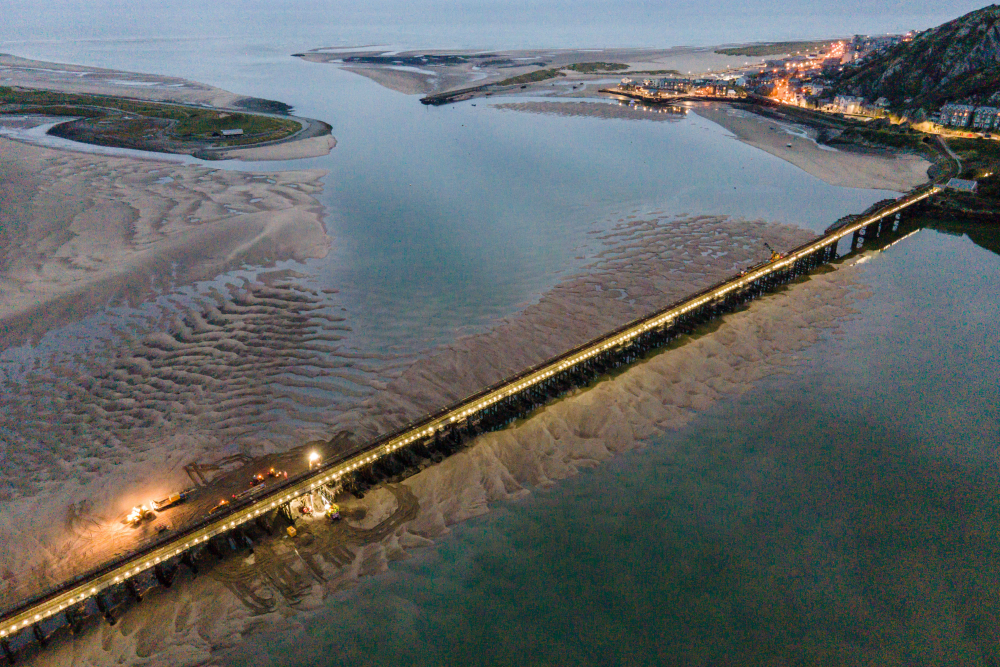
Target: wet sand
287	578
609	111
796	144
81	230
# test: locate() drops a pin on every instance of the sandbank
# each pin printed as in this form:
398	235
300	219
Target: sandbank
489	68
312	140
80	230
796	144
284	580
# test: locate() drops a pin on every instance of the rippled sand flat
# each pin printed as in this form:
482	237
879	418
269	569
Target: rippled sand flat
79	230
647	260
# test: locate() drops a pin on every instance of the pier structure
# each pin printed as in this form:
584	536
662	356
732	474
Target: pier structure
100	592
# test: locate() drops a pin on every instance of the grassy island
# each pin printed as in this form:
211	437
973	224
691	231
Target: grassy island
153	126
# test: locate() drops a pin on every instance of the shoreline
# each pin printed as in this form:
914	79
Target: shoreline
88	89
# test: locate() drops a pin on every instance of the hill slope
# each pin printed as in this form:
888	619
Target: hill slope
956	61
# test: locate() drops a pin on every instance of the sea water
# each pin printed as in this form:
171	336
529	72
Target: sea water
834	510
844	514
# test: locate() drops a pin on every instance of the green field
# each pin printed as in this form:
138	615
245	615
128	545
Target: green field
591	68
185	123
774	49
532	77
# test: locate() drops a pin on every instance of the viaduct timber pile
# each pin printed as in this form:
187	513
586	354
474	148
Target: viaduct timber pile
102	591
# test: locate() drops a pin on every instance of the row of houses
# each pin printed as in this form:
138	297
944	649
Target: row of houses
711	87
857	106
967	115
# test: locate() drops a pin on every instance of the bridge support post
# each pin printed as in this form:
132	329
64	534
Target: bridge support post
163	576
7	652
74	621
39	635
103	607
188	560
133	590
213	549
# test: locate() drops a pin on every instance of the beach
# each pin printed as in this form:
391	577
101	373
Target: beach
797	144
82	230
312	140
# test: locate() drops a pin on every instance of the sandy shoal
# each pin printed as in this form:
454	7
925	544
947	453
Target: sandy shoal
79	230
288	150
80	79
408	83
197	619
688	61
796	144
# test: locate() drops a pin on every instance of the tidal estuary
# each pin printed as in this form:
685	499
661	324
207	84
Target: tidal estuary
813	480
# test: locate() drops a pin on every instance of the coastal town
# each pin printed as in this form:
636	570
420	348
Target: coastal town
808	80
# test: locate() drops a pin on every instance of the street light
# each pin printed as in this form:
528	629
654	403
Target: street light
313	458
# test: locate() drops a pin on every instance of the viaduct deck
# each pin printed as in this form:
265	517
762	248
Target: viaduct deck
482	411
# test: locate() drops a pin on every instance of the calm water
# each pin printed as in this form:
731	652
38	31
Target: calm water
445	219
844	511
846	514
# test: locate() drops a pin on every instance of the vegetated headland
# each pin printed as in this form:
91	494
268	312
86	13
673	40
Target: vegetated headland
155	126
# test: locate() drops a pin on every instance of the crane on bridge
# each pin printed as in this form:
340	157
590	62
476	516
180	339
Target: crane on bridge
774	253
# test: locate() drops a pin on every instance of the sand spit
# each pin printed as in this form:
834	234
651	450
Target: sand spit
796	144
647	263
402	81
284	579
80	79
80	230
286	150
411	74
608	111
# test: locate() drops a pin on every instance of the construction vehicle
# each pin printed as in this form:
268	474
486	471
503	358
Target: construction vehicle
775	255
222	504
171	500
139	514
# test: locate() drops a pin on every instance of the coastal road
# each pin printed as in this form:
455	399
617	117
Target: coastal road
93	583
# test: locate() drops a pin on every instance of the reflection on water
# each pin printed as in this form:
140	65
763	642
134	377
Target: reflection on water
841	515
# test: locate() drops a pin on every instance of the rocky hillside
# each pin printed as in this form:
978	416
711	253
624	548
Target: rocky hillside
957	61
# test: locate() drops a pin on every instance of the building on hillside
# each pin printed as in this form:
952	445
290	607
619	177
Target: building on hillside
849	104
986	118
963	185
956	115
